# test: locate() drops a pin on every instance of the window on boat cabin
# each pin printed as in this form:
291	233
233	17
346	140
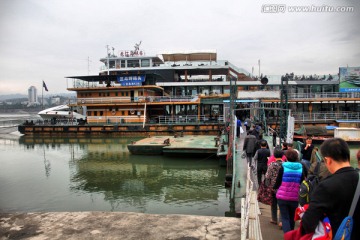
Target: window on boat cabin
133	63
123	113
122	65
191	91
108	94
205	90
95	113
101	113
116	94
145	62
112	63
216	89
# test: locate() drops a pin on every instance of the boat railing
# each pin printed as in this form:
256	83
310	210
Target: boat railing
326	116
128	99
181	119
324	95
54	121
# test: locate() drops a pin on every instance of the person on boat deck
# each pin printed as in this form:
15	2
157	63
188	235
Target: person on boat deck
260	158
249	147
333	196
291	174
306	151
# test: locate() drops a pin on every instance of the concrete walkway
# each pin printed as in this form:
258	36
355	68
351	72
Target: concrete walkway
116	225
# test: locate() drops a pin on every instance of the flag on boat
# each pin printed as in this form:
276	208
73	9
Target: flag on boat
44	86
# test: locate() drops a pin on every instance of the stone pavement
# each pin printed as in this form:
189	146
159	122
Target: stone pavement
116	225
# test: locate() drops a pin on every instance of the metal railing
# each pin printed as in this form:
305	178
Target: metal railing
327	116
318	95
181	119
137	99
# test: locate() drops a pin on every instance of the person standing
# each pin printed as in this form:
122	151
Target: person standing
238	126
249	147
270	177
274	136
333	196
261	157
291	174
306	151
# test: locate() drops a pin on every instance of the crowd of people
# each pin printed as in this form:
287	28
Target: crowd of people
284	171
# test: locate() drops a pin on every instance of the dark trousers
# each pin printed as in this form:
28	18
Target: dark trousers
274	209
287	211
261	170
249	157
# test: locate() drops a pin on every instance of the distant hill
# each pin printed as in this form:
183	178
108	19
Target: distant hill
12	96
20	96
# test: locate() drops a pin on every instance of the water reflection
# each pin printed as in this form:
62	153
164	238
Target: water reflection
154	184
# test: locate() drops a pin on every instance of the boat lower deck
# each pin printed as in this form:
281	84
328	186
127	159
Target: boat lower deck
199	145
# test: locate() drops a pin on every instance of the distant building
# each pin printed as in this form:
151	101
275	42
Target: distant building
55	101
32	95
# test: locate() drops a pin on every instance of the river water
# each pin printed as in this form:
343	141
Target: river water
93	173
99	174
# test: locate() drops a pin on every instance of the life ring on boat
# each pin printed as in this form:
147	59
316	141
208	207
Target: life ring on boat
113	112
132	112
83	101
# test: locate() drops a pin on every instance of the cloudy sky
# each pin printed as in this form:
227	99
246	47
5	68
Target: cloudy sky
49	40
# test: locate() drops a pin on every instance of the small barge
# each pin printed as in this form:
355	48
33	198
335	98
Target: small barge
193	145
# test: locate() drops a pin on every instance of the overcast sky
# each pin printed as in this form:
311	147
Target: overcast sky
49	40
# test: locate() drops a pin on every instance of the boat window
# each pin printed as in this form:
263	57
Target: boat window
133	63
101	113
145	62
122	64
112	64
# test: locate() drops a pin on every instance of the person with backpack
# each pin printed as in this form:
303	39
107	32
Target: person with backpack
287	185
270	178
318	167
334	195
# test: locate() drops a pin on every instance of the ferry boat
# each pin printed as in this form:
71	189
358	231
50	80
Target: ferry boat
173	87
192	89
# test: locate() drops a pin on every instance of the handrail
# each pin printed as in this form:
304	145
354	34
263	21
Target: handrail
250	212
137	99
317	95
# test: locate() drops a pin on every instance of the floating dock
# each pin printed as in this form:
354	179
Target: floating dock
176	145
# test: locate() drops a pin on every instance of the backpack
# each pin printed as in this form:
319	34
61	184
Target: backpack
308	185
346	226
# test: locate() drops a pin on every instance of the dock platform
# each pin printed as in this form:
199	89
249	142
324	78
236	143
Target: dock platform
174	145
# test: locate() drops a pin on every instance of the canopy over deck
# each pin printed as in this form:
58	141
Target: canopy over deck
197	55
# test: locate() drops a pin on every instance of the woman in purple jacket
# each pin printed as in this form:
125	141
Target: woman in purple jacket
287	185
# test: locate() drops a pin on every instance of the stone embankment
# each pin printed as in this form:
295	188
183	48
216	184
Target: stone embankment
116	225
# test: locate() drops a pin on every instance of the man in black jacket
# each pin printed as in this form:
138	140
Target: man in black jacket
333	196
261	158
